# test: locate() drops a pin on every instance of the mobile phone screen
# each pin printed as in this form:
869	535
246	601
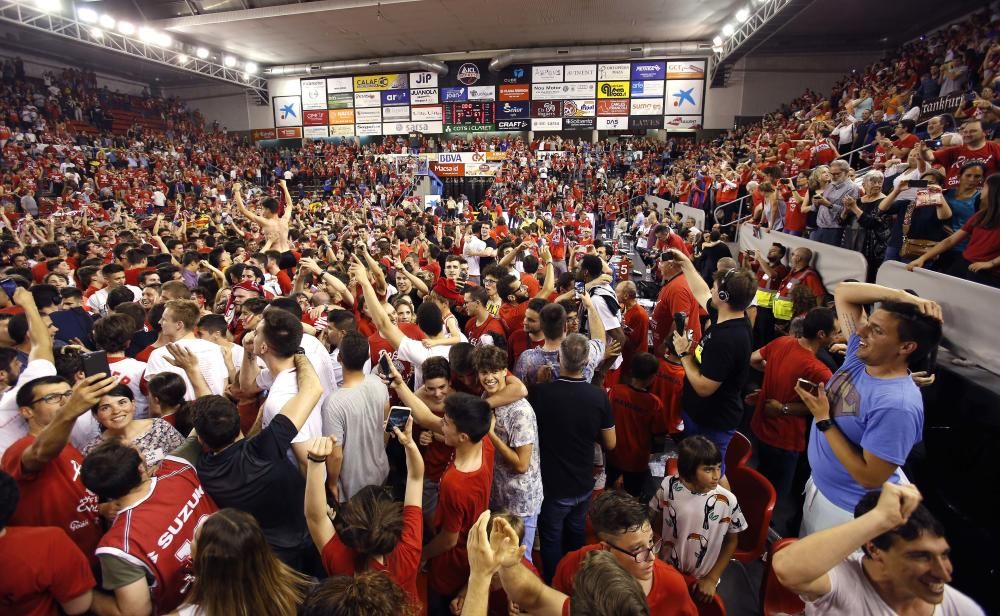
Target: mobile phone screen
398	416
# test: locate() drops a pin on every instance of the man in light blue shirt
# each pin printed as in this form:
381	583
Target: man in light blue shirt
870	414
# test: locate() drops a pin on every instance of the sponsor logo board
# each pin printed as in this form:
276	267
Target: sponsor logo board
367	99
260	134
675	122
620	123
376	83
546	109
647	107
613	89
315	132
579	108
344	100
424	96
342	130
481	170
454	94
645	122
648	71
432	113
613	72
287	111
612	107
468	74
336	85
368	115
469	128
544	124
395	97
647	89
448	170
423	79
342	116
315	118
520	92
517	73
579	123
511	111
547	74
313	94
395	114
513	124
580	72
482	93
290	133
554	91
685	69
684	97
368	129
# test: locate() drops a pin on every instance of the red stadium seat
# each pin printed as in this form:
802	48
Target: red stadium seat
756	498
775	598
739	451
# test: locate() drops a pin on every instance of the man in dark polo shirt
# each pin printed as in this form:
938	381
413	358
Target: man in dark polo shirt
572	416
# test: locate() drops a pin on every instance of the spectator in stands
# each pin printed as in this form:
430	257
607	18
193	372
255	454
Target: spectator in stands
872	401
639	424
974	147
675	296
891	556
829	201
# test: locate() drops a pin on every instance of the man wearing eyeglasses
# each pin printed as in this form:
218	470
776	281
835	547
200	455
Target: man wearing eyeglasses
830	204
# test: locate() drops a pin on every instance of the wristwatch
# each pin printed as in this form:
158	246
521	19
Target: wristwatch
784	409
824	424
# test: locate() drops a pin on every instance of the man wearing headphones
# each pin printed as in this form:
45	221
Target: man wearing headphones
716	369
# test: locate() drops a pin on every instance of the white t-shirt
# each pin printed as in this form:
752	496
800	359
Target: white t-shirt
98	302
414	352
474	244
281	389
130	372
210	362
851	594
321	362
610	320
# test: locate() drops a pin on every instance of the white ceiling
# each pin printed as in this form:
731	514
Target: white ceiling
346	29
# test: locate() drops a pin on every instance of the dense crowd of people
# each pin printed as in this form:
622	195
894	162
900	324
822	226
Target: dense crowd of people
241	380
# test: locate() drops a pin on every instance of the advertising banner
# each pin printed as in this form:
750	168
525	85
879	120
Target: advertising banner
553	91
513	124
423	79
313	94
396	113
481	170
620	123
342	130
448	170
514	92
469	128
645	122
395	97
681	122
515	73
469	73
368	115
649	70
290	133
546	124
612	107
342	116
315	118
367	99
580	72
366	130
482	93
340	101
647	89
335	85
424	96
579	108
315	132
287	110
941	104
613	89
547	74
259	134
431	113
451	95
613	72
376	83
579	123
511	111
546	109
685	69
647	107
685	97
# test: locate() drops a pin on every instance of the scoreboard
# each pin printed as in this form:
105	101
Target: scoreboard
469	113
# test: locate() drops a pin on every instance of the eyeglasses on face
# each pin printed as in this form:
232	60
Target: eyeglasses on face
54	398
642	554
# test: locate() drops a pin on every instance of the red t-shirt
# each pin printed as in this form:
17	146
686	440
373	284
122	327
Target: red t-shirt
39	271
531	282
55	495
668	386
675	296
512	316
954	157
491	328
284	282
401	565
638	416
808	277
42	568
984	244
635	324
461	498
518	342
668	596
795	218
132	275
787	362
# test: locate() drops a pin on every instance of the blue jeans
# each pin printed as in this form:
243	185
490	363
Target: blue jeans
721	438
530	530
827	235
562	528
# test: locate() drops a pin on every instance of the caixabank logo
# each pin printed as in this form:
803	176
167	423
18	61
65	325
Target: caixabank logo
468	74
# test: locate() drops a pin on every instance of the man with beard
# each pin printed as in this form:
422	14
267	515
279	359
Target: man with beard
770	271
514	302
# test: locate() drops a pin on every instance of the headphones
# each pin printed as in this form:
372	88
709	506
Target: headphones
724	286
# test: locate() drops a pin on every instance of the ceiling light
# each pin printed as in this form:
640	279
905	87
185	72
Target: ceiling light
87	16
251	67
201	52
743	15
182	58
49	6
246	76
147	34
728	29
163	39
717	41
126	28
717	49
229	61
107	21
96	33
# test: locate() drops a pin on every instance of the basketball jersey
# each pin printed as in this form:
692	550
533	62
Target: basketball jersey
130	372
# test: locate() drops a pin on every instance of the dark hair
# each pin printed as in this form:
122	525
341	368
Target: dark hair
489	358
508	285
168	387
9	497
614	512
282	332
7	356
478	294
739	285
214	323
370	523
460	358
342	319
288	304
988	216
111	470
920	521
644	367
354	351
429	319
119	295
46	295
369	593
436	368
26	394
68	363
817	320
111	268
470	414
17	328
693	452
914	326
154	316
553	321
536	304
216	420
592	265
113	333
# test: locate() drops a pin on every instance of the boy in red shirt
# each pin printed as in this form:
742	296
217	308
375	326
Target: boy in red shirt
638	417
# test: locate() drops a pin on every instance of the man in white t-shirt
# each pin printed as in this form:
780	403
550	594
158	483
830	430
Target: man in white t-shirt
474	248
904	566
605	301
275	342
114	276
180	318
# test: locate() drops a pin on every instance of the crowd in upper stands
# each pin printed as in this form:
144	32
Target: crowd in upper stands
248	380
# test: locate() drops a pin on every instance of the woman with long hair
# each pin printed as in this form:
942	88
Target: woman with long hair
980	261
166	401
235	573
154	437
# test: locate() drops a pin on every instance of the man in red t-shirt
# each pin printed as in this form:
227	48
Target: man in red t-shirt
44	464
482	327
638	421
44	572
635	324
975	147
780	417
675	296
530	335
